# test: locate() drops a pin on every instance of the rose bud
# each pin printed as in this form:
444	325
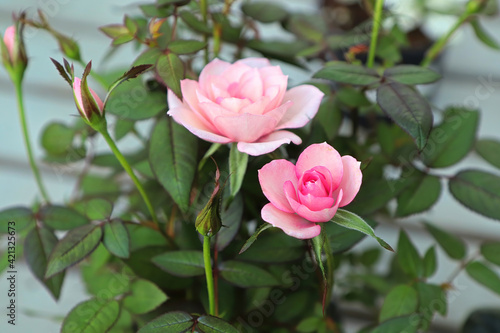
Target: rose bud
13	52
87	101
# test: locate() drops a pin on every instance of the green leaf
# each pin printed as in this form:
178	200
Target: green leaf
94	315
342	239
419	197
343	72
122	128
133	72
145	297
408	257
401	300
278	49
170	69
429	263
173	2
329	116
264	12
352	97
22	216
408	109
489	149
483	35
186	46
253	238
61	217
309	325
237	168
57	138
484	275
246	275
274	247
171	322
432	299
451	140
231	221
404	324
451	244
38	245
96	208
172	154
352	221
411	74
132	100
490	252
194	23
181	263
75	246
478	191
116	239
142	236
209	324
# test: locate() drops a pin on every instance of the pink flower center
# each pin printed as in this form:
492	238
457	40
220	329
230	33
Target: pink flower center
313	183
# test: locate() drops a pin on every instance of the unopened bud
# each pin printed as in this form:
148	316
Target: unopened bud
208	221
89	104
13	53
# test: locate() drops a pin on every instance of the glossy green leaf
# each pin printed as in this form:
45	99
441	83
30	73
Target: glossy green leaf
429	262
419	197
411	74
209	324
451	140
116	239
484	275
57	138
142	236
483	35
94	315
408	109
339	71
451	244
145	296
491	252
170	69
408	257
186	46
402	324
38	245
61	217
478	191
237	167
274	247
342	239
350	220
21	216
181	263
489	149
246	275
170	322
132	100
401	300
264	12
75	246
172	154
256	234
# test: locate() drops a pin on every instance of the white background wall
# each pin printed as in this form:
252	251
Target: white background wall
466	65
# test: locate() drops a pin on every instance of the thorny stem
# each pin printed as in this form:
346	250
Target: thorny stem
24	126
209	275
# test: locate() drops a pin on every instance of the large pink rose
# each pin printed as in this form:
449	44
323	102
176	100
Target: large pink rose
310	191
245	102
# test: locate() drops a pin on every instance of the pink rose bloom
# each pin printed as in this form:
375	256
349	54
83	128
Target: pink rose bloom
96	106
310	191
245	102
9	39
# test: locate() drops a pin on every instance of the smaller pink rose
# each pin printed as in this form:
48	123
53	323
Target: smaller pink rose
96	105
246	102
310	191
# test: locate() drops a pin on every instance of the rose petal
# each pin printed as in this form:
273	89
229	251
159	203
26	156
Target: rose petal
187	118
190	96
306	100
292	224
251	86
272	178
234	72
268	143
351	180
323	215
254	62
244	127
77	82
321	154
215	68
9	39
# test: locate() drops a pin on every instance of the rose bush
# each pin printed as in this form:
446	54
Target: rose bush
310	191
245	102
